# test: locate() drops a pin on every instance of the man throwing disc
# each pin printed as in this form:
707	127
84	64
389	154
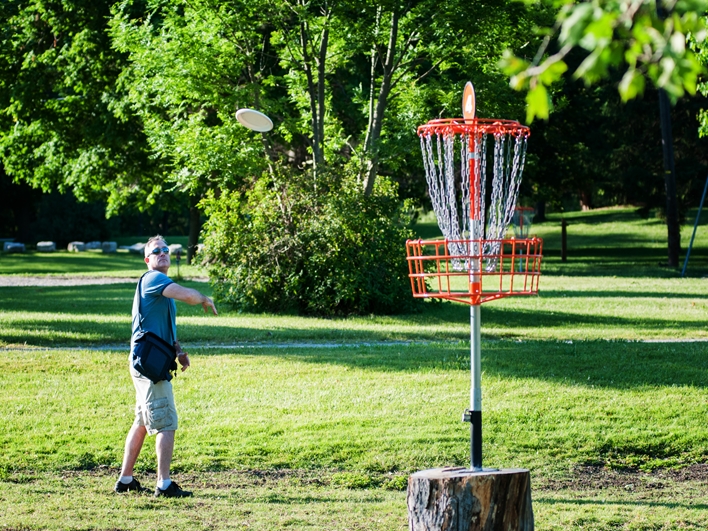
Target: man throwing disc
155	412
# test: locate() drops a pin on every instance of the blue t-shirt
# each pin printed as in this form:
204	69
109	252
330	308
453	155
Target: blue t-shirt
158	312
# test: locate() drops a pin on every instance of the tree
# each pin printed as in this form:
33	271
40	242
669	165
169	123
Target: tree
317	248
601	151
60	122
371	54
646	40
191	65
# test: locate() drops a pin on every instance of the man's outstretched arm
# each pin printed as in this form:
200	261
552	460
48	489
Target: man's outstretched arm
190	296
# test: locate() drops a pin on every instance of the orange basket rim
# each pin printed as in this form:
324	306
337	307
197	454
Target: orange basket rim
478	125
439	241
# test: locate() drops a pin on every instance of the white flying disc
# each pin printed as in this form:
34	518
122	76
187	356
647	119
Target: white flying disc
254	120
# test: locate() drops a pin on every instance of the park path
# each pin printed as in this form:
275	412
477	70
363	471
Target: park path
51	280
48	280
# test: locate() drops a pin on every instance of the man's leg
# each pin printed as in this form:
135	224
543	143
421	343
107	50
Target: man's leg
164	445
133	445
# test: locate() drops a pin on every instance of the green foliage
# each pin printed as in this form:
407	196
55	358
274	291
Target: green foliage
596	150
189	67
315	247
645	38
57	89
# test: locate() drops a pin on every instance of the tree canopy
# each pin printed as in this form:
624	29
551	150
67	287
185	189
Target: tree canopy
646	39
60	122
133	101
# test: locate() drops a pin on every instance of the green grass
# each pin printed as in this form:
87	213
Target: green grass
577	308
303	423
88	263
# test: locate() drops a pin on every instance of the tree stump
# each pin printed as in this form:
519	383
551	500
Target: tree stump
459	499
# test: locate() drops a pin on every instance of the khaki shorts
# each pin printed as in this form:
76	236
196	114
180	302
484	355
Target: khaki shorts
154	404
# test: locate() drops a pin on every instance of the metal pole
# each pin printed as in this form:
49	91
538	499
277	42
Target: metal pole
475	412
695	225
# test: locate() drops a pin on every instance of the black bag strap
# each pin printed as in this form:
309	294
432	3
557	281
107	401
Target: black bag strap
138	294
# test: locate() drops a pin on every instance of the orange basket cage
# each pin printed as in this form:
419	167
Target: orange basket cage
435	272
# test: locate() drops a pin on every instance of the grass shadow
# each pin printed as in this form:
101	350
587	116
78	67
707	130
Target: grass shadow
634	503
592	364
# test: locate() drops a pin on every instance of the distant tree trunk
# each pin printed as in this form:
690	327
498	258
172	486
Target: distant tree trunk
667	143
564	240
672	224
164	225
586	200
315	59
540	212
194	229
373	135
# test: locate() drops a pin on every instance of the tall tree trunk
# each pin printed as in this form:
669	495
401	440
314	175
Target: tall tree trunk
667	143
540	215
672	224
316	88
373	135
372	78
321	63
195	227
312	91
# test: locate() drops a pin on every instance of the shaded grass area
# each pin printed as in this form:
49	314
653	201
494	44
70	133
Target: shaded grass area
573	308
224	501
87	263
285	500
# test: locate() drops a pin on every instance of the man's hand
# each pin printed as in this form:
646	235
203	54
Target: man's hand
208	303
183	360
181	356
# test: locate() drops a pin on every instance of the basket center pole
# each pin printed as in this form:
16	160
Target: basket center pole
474	414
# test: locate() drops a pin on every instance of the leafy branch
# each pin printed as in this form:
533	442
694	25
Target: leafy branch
646	38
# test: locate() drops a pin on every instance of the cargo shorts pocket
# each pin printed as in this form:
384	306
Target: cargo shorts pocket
157	414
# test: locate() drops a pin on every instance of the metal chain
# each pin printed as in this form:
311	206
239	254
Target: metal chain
451	195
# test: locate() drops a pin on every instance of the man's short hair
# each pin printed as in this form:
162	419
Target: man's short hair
154	238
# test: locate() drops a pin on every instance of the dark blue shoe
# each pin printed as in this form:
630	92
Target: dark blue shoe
126	487
173	491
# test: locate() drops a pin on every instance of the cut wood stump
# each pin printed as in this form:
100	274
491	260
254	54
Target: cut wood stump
459	499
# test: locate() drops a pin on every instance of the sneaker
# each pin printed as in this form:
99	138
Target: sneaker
173	491
125	487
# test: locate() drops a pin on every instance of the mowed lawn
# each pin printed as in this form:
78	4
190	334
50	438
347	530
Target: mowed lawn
597	385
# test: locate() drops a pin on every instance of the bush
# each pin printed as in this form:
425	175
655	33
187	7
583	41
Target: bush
319	248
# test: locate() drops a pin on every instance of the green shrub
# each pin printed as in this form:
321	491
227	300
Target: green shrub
294	244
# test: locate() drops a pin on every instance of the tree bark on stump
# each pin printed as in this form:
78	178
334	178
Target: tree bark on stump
459	499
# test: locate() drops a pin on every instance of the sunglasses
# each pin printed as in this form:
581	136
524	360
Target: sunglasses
158	250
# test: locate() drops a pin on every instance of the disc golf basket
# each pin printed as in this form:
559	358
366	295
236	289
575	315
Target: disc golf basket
473	169
521	222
